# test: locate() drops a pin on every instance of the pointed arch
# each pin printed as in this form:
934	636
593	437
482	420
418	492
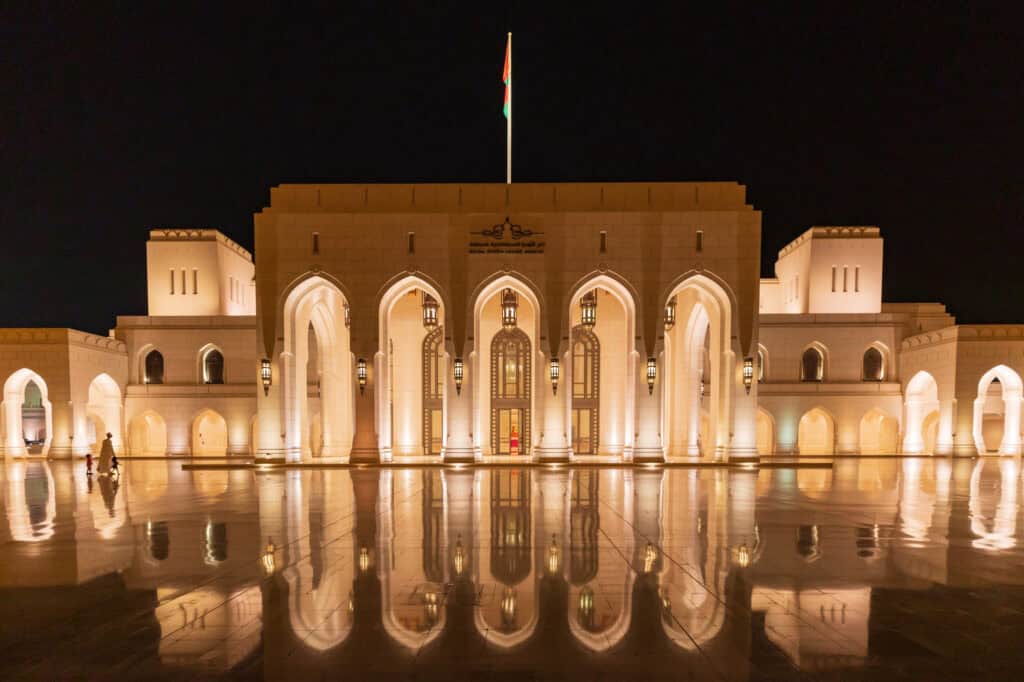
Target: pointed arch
1009	402
147	435
879	433
814	362
921	406
699	368
318	303
13	399
765	433
104	407
816	432
209	434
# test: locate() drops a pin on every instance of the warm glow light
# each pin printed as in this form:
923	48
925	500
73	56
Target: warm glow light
364	559
650	554
361	374
265	375
458	370
459	557
743	555
509	308
554	557
670	313
554	375
748	373
268	557
430	307
588	310
652	374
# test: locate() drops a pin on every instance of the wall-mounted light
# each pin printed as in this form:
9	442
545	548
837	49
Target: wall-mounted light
748	373
588	309
554	557
670	313
268	557
364	559
459	557
361	375
430	307
266	377
348	315
509	308
458	372
652	374
554	370
743	555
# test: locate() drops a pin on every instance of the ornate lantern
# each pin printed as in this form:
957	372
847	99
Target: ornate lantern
588	309
509	308
265	375
459	557
554	375
457	371
267	558
361	374
652	374
430	307
554	557
748	373
670	313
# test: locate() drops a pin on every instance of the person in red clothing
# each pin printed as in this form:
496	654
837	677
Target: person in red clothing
513	441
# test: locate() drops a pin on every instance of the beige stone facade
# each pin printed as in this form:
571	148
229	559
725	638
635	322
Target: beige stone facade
470	322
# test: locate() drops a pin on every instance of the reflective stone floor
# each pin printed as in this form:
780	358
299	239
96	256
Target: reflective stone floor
908	569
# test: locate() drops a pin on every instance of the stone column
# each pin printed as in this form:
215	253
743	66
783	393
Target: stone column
364	445
554	441
743	444
459	445
649	445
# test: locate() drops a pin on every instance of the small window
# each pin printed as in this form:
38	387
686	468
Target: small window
811	365
700	240
213	367
833	279
183	289
153	372
172	281
846	273
604	241
412	242
874	365
195	281
856	278
316	243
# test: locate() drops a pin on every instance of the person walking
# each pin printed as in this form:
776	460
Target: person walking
106	455
88	464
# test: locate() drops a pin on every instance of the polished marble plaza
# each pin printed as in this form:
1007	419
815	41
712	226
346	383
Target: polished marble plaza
885	568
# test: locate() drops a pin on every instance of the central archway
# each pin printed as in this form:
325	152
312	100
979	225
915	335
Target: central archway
922	410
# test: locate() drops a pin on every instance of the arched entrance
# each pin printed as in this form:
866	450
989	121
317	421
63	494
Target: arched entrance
922	414
879	433
147	435
765	433
14	397
1003	403
209	435
315	317
412	368
699	364
506	321
816	433
600	367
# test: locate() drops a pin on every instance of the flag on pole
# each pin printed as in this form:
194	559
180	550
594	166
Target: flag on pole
506	77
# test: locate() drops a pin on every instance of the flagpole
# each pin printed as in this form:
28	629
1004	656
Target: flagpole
508	121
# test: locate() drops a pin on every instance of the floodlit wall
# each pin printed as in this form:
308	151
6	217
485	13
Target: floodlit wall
198	272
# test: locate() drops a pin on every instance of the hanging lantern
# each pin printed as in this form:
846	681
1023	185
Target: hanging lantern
459	557
430	307
265	375
348	315
554	375
458	370
509	308
670	313
652	374
361	374
748	373
588	309
268	557
364	559
554	557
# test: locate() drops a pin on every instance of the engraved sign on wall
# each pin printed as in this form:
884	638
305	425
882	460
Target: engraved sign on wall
506	238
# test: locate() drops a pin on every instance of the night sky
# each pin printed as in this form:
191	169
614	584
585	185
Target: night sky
118	119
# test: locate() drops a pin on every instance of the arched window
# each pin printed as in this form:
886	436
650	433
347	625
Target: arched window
433	391
213	367
586	397
510	392
811	365
154	368
874	365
